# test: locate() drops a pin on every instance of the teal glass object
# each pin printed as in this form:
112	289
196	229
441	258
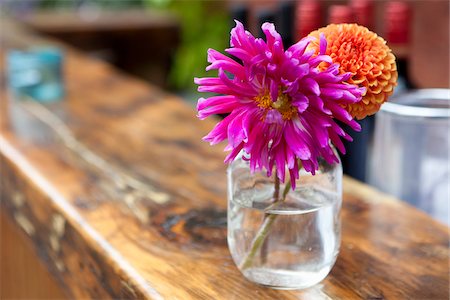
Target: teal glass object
36	73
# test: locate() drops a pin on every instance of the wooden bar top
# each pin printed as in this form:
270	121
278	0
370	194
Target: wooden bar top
120	198
70	22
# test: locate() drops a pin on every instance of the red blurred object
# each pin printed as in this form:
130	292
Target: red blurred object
308	17
340	14
363	12
398	22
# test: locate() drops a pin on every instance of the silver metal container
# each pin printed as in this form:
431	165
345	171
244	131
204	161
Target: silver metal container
410	154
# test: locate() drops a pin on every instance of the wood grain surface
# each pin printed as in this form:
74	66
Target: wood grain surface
121	199
23	275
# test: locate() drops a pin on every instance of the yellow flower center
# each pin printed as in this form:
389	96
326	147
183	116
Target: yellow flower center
282	104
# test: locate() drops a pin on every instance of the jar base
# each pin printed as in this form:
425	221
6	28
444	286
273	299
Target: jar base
286	279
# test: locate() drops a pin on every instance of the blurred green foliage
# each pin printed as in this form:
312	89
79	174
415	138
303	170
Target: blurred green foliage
205	24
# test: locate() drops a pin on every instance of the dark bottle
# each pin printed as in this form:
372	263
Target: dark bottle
262	16
397	34
363	12
240	13
285	21
308	17
338	14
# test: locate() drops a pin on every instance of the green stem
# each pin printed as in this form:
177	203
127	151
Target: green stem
258	241
276	192
264	230
275	199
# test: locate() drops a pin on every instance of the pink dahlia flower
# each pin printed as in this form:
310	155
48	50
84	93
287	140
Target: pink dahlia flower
282	107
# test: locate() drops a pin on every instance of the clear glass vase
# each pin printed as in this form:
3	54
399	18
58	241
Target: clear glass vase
287	239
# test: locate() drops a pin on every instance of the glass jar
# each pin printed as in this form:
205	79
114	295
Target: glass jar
289	243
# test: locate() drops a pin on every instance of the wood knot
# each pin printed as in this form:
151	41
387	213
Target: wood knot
356	207
199	226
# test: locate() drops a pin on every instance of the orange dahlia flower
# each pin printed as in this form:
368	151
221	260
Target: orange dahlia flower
367	57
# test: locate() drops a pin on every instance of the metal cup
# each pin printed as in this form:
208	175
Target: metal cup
410	156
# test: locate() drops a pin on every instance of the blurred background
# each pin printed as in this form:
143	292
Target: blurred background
164	42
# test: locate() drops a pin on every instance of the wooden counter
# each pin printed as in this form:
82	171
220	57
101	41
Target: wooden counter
118	197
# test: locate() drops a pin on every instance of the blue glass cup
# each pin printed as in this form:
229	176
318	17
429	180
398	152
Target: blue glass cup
36	73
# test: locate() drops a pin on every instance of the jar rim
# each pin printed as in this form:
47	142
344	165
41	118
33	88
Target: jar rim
423	103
